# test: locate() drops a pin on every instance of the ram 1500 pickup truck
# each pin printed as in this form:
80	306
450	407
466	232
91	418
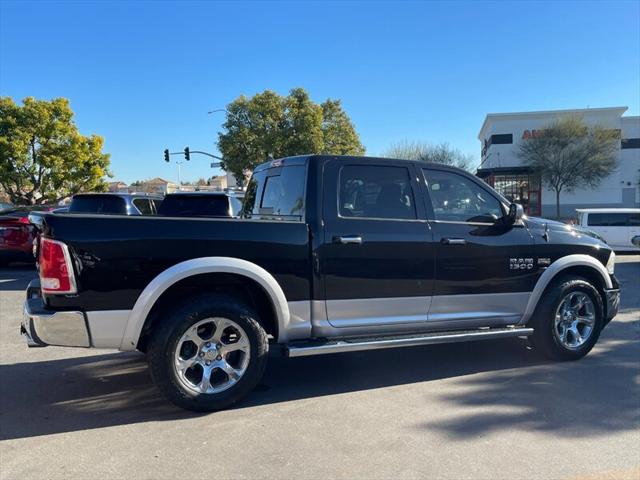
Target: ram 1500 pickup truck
332	254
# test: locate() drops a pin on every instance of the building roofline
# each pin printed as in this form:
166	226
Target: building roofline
490	116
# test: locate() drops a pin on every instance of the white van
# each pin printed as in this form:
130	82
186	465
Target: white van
618	226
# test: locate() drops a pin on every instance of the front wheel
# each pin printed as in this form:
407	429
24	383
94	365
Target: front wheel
568	319
208	353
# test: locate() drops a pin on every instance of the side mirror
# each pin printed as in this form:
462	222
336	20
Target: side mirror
516	212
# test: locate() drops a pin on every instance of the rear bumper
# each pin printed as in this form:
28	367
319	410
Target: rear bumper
43	327
612	298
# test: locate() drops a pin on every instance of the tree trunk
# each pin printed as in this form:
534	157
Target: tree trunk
558	204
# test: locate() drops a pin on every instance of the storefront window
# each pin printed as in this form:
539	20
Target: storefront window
520	188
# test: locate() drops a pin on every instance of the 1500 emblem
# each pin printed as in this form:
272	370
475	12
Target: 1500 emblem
520	263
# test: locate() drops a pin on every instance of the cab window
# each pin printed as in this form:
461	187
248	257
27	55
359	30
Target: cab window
367	191
276	194
456	198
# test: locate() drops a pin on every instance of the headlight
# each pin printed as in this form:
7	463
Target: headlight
611	264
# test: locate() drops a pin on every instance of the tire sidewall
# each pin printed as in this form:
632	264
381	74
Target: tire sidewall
165	341
544	333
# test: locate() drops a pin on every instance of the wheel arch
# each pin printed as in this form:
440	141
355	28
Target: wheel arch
204	266
579	264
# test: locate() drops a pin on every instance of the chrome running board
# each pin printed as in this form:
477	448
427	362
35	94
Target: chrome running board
357	344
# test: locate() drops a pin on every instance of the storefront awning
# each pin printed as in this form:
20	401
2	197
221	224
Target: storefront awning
487	172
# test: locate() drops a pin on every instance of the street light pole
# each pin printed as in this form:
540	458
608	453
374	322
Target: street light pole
179	174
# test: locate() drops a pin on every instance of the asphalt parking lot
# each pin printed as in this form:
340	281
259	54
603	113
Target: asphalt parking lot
490	409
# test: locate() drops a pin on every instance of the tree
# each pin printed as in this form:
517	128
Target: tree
432	153
43	157
569	154
269	125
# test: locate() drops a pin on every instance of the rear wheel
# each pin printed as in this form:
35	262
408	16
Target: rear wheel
568	320
208	353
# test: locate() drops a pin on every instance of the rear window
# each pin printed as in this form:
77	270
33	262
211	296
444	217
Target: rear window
276	194
109	204
195	206
609	219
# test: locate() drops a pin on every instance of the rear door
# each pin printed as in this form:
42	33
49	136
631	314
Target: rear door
485	270
377	259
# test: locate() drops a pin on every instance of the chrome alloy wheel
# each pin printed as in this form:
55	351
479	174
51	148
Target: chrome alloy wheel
574	321
212	355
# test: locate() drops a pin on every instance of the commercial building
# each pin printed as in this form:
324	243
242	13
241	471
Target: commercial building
502	133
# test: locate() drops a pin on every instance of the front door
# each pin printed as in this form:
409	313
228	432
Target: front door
377	259
485	270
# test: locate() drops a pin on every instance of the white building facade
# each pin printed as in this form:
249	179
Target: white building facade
502	134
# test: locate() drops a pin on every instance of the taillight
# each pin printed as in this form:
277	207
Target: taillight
56	271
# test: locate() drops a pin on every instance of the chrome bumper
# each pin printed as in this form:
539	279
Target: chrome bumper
43	327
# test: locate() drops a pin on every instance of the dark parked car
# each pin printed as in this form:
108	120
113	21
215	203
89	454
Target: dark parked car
115	203
201	204
337	254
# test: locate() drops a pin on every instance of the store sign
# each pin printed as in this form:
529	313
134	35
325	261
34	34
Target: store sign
527	134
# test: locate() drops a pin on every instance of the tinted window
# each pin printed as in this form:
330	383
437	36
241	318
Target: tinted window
634	219
630	143
609	219
366	191
143	205
501	139
156	204
109	204
456	198
194	206
276	194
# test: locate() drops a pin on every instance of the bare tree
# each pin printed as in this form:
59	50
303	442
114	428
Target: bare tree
429	152
568	154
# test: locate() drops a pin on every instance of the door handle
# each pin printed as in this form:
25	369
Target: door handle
454	241
356	239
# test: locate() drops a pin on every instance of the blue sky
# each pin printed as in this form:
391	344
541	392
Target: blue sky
144	74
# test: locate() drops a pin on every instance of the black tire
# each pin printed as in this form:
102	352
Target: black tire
164	341
544	339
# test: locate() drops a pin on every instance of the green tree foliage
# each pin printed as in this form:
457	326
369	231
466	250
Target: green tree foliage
432	153
269	125
568	154
43	157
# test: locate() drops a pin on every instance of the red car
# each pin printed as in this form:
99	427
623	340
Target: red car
17	234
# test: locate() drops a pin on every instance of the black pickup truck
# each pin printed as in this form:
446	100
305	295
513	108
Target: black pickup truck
332	254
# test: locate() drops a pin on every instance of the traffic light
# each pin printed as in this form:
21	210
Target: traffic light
166	155
187	155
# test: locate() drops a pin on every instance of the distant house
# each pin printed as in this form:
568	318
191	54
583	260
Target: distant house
221	182
158	185
117	187
218	182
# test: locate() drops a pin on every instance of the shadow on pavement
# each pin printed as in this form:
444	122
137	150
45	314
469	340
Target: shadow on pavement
597	395
593	396
16	277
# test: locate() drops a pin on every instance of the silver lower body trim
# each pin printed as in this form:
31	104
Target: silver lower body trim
355	345
397	315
